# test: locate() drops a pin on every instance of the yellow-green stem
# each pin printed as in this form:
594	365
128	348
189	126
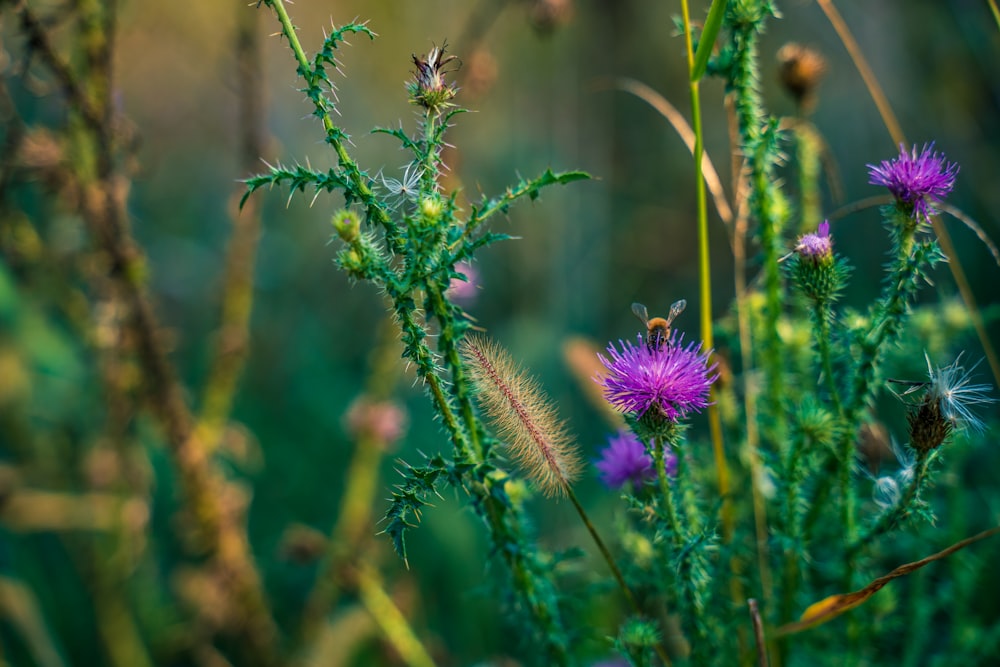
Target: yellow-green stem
705	284
705	292
390	619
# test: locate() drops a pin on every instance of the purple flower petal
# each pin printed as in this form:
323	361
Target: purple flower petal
916	181
625	460
816	245
672	378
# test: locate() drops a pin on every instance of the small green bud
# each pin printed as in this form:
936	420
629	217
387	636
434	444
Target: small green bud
350	261
639	633
347	224
431	208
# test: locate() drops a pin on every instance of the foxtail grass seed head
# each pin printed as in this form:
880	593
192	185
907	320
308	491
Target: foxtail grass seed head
917	181
625	460
671	380
523	415
801	69
428	87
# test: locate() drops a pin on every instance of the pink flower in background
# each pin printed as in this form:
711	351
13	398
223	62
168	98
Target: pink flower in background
464	292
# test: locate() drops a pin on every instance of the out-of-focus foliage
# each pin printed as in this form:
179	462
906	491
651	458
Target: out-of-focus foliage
102	561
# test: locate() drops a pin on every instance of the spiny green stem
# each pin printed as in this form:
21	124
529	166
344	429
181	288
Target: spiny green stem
374	209
793	532
900	287
421	355
448	343
705	280
666	496
822	314
429	177
520	560
689	502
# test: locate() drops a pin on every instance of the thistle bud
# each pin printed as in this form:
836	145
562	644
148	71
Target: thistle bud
813	267
347	224
431	208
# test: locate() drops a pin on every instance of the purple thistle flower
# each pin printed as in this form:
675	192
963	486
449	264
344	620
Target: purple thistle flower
916	181
671	378
818	245
625	460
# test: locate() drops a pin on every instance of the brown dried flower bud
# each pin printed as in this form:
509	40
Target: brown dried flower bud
928	427
428	87
801	69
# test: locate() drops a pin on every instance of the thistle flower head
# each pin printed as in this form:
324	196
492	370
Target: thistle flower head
671	379
537	440
916	181
428	87
817	246
625	460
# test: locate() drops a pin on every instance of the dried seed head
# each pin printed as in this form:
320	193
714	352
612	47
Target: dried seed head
524	417
945	405
928	427
428	88
801	70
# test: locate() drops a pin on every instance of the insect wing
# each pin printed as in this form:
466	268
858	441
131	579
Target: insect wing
640	311
676	309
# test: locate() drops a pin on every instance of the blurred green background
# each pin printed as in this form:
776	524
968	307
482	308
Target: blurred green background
544	96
